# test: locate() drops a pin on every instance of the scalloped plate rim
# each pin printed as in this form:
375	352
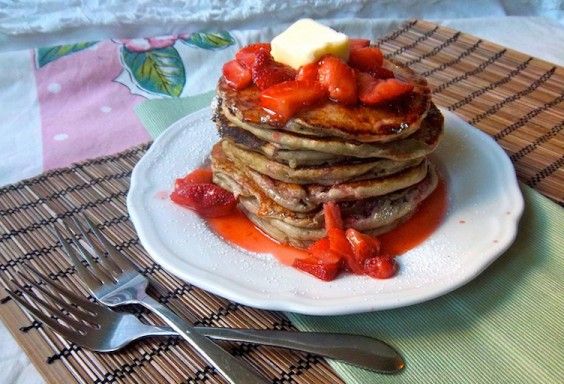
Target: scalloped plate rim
228	288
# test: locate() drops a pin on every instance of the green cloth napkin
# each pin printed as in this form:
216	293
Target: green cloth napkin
158	114
505	326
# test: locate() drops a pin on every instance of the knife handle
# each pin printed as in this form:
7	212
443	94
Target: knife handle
362	351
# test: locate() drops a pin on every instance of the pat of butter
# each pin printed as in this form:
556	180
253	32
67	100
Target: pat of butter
306	41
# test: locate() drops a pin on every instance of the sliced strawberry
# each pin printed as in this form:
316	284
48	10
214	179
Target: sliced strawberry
339	79
197	176
319	246
363	246
322	252
358	43
266	72
287	98
373	91
328	257
365	83
366	59
237	76
382	73
339	244
207	200
308	73
332	215
322	270
247	55
381	267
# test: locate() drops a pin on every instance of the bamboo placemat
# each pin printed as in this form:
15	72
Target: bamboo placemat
515	98
100	187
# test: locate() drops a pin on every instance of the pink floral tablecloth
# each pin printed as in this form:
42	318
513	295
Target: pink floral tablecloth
80	97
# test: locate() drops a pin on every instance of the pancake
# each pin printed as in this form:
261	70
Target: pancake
419	144
310	197
324	175
374	215
296	237
304	198
276	152
380	123
300	159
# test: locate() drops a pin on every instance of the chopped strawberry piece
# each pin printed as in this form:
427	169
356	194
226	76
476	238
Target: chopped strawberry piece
332	216
247	55
351	249
266	72
381	267
308	73
323	263
365	82
339	79
320	245
207	200
237	76
322	270
382	73
339	244
358	43
197	176
373	91
287	98
327	256
363	246
366	59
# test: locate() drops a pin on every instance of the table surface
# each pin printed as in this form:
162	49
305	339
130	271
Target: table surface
521	34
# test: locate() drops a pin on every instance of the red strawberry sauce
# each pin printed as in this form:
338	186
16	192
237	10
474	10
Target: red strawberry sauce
240	231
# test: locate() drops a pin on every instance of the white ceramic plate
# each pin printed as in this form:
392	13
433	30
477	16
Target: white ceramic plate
485	204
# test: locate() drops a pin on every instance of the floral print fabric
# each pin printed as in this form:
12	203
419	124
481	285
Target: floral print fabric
86	92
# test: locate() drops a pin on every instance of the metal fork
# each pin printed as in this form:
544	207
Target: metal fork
116	281
119	283
91	325
99	328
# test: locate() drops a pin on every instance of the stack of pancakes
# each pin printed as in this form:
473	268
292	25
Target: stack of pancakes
371	160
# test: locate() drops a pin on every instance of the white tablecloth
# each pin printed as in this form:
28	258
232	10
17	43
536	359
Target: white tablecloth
542	37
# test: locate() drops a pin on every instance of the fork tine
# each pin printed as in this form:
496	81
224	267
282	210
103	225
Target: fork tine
77	325
71	309
108	263
124	263
81	301
61	329
86	255
91	281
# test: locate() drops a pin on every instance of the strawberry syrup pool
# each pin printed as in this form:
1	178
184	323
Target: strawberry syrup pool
238	230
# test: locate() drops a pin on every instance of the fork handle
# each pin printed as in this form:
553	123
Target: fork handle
233	369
